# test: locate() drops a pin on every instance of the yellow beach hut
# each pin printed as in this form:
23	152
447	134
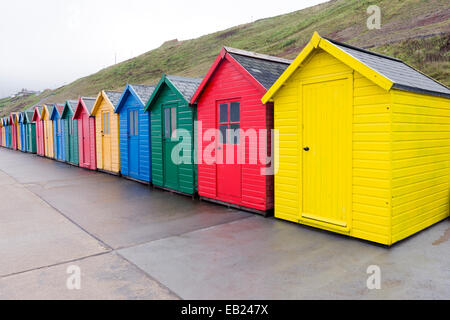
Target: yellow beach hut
107	131
48	130
16	124
364	143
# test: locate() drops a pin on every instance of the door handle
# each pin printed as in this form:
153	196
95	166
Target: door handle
306	148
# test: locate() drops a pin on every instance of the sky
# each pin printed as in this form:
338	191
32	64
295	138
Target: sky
48	43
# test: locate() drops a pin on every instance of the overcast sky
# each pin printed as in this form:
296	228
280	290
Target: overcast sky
49	43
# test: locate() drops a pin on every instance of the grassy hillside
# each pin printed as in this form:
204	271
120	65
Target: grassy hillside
417	31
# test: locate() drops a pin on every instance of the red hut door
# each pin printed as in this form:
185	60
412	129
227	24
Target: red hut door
85	142
228	169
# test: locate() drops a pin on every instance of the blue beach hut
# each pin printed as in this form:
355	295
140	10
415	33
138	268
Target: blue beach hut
135	145
58	132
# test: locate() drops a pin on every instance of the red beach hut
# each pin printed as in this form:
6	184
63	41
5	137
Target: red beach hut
229	101
40	147
86	133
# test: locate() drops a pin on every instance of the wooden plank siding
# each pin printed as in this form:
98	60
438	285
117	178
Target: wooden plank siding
230	83
144	156
420	162
31	137
71	140
114	154
185	120
87	155
370	143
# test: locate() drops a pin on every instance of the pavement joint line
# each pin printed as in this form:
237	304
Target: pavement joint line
109	248
146	274
179	234
104	244
4	276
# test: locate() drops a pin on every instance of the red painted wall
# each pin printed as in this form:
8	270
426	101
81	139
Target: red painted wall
14	136
229	83
86	136
40	138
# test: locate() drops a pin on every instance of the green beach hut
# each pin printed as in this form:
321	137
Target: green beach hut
171	111
30	131
70	132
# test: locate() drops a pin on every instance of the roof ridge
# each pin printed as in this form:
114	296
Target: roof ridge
395	60
425	75
257	55
362	50
113	91
143	85
183	78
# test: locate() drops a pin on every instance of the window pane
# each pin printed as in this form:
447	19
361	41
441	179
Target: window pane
136	122
167	130
130	123
223	130
235	133
223	113
108	123
174	122
105	129
235	112
133	123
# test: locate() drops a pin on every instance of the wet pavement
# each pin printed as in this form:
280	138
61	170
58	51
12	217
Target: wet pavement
131	241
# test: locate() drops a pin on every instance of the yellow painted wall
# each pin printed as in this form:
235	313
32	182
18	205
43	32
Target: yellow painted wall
48	136
112	154
420	162
18	135
370	182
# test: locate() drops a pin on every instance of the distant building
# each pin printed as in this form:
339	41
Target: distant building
25	93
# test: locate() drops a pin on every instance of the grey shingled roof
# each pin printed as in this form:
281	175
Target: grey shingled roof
72	105
29	116
89	102
265	69
144	92
114	97
186	86
403	76
50	108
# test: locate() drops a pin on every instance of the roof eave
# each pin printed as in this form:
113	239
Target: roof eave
420	91
209	75
122	98
155	93
318	42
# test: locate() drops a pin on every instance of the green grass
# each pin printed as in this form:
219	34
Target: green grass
405	23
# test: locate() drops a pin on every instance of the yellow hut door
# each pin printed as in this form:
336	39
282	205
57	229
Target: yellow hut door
327	153
106	141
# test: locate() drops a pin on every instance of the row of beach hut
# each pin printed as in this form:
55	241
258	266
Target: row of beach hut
362	140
